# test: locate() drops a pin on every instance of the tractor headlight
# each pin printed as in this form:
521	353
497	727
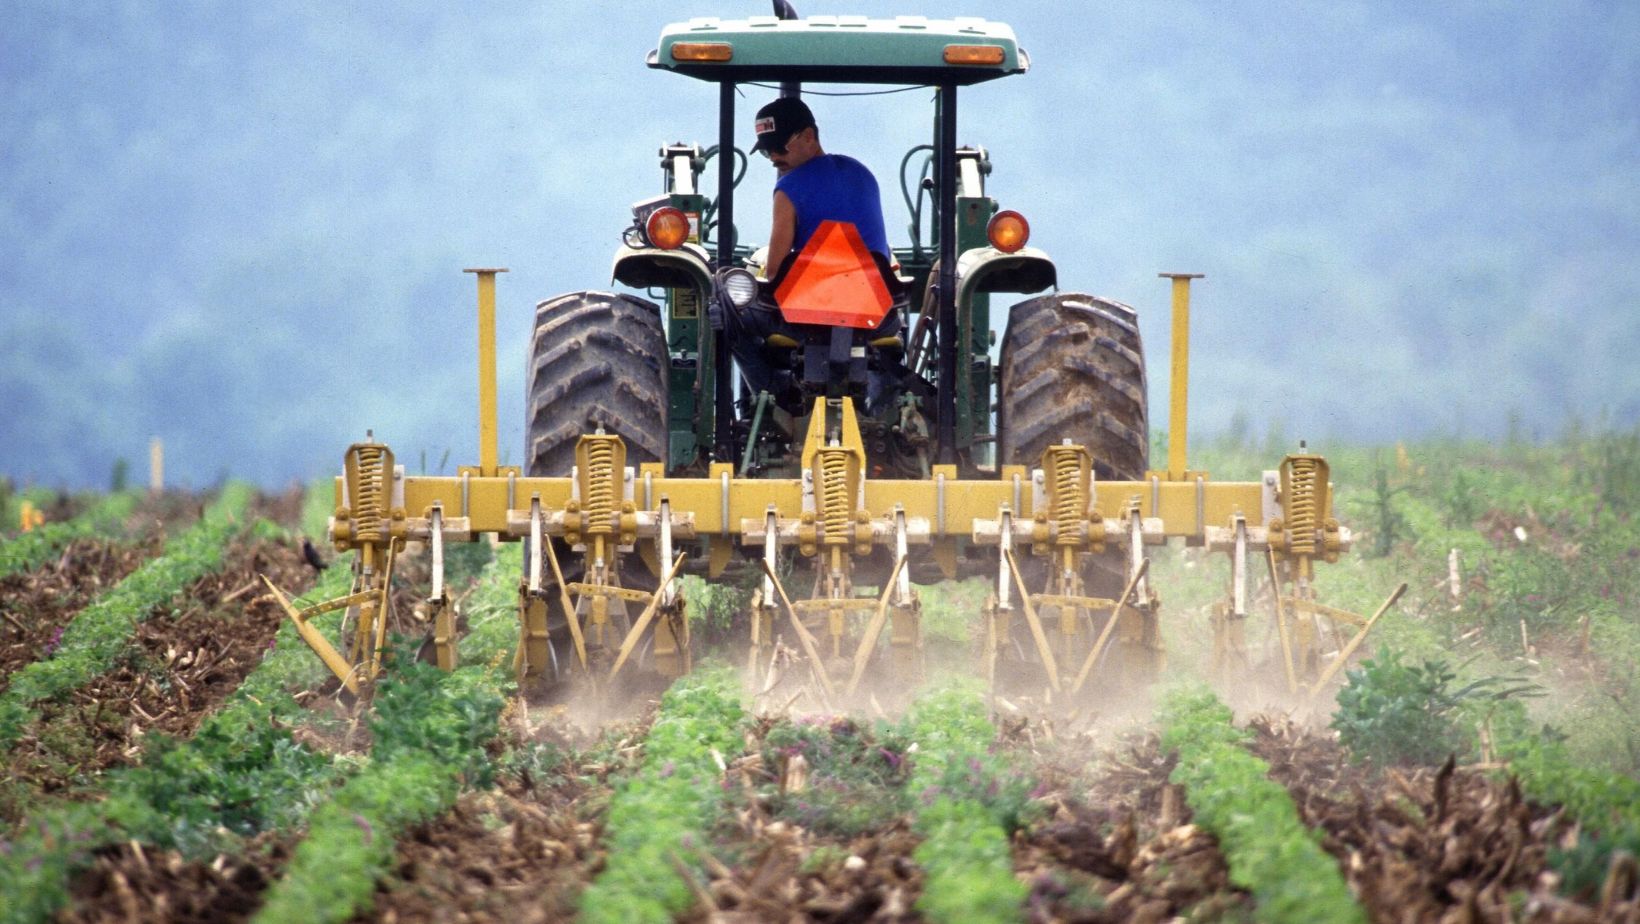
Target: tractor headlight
740	286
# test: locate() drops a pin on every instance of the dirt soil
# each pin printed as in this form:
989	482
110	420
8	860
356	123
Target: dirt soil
130	883
182	665
1441	844
36	605
1120	846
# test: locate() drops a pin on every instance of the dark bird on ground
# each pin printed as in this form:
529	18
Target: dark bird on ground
311	555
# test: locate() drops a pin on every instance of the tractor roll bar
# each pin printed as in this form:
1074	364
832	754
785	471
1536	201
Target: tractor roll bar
945	178
723	416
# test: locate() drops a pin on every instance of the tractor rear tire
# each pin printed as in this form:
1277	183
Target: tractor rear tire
1073	367
598	359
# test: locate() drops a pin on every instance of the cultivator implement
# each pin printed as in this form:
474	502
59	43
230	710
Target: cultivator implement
854	541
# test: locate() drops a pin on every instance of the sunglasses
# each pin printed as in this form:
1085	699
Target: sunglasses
771	150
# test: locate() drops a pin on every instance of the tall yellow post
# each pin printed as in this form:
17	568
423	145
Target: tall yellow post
1178	425
488	440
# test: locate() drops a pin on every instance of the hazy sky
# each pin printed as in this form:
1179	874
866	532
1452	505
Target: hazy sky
241	227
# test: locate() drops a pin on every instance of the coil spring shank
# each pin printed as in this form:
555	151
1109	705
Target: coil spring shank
599	491
1068	502
836	508
1303	503
368	477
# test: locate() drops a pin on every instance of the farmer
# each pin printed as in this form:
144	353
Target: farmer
813	186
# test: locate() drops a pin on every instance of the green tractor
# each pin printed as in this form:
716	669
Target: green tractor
683	387
858	438
664	378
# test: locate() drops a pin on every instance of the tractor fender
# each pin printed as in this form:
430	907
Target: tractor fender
987	269
653	268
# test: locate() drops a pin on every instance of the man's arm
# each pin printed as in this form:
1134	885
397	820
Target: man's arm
782	231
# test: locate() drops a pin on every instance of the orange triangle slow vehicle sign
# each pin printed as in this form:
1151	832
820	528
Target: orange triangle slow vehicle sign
834	281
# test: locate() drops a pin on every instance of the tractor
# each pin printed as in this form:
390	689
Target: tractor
864	443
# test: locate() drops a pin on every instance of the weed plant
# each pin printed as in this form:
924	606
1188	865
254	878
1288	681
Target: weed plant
856	776
429	730
1392	712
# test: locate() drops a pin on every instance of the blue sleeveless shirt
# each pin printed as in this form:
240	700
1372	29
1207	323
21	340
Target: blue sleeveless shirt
838	188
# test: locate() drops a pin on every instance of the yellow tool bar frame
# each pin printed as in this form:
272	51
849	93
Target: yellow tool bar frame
721	503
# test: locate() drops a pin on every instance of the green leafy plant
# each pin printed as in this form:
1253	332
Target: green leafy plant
855	780
965	803
1394	712
430	733
32	549
1269	851
1607	804
659	817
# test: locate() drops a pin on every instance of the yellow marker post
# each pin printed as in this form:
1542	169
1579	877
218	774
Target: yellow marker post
156	465
1178	424
488	441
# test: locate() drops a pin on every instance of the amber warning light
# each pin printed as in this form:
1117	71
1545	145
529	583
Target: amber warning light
702	51
667	228
1008	231
974	54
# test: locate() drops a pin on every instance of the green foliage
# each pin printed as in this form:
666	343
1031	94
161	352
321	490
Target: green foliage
464	562
1583	866
1615	470
967	801
419	709
714	607
1384	519
953	610
30	550
232	778
237	779
318	503
102	629
968	866
1607	804
1393	712
350	840
855	777
241	773
429	730
35	865
1270	851
659	816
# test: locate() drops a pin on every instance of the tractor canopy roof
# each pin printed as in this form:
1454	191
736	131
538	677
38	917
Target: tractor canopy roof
841	49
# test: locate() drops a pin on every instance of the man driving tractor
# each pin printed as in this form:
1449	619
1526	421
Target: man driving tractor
813	186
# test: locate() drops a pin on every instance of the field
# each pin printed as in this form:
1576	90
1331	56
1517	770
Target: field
174	752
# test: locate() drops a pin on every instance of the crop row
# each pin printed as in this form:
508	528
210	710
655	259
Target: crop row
659	816
242	773
428	731
1269	850
99	631
27	551
1606	804
966	804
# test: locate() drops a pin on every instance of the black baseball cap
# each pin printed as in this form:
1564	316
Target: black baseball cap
780	120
